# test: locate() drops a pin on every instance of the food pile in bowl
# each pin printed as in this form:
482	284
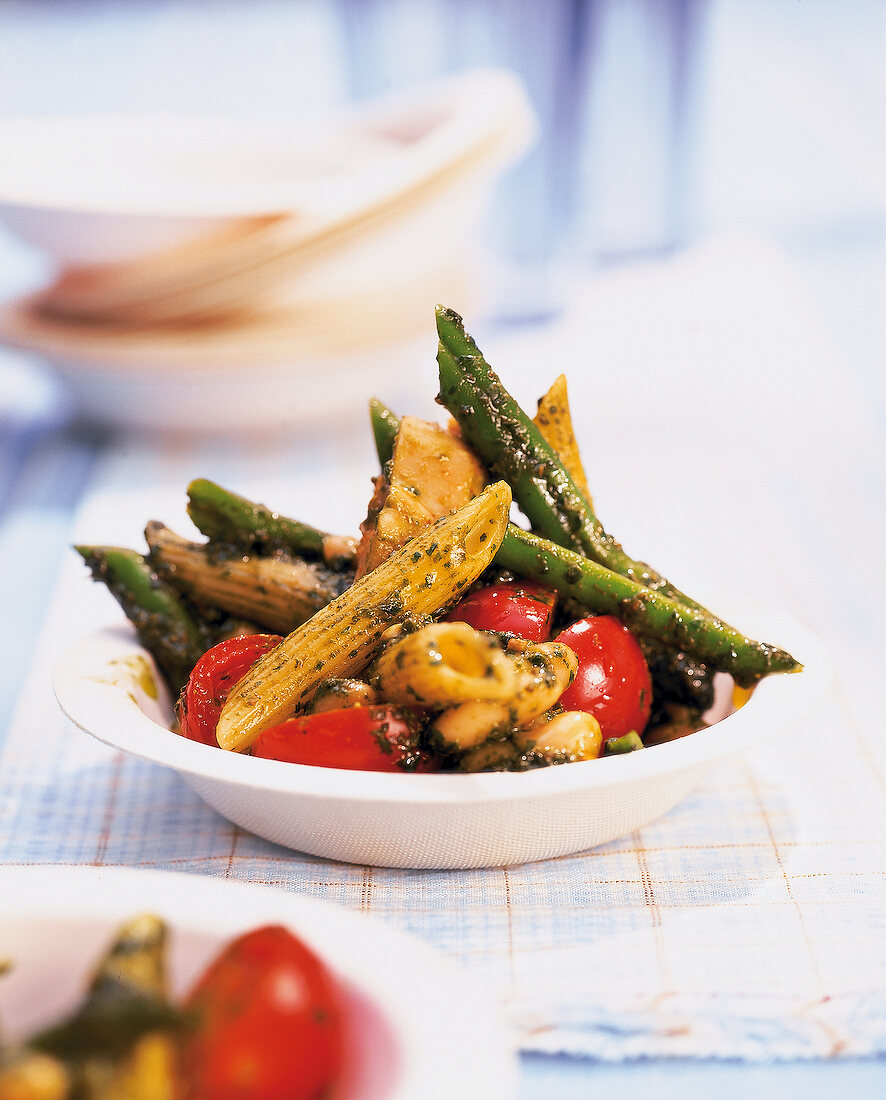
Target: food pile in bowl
447	638
266	1019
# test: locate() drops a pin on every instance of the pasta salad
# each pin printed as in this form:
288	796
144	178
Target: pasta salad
445	638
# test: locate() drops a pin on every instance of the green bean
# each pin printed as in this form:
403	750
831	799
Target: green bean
224	517
643	610
629	742
164	624
385	425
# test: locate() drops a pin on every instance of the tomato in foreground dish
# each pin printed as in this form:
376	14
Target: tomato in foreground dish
269	1023
613	681
373	739
212	679
521	608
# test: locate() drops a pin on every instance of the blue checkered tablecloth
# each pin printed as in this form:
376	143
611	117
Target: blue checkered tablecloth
749	922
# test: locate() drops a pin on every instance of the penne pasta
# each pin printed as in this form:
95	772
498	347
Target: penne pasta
544	671
422	578
445	663
277	593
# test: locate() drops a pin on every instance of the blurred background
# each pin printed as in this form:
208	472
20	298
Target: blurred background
696	235
662	123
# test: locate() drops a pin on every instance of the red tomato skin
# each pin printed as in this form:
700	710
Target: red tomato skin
521	608
212	679
373	739
269	1023
613	681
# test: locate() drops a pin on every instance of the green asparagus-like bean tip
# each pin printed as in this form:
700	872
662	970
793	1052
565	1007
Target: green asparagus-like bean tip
224	516
163	623
132	574
513	447
507	440
629	742
385	425
643	610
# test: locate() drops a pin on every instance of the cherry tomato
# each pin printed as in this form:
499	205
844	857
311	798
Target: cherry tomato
521	608
373	739
268	1023
613	681
212	679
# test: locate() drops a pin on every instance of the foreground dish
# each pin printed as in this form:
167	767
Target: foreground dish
266	1020
430	645
53	920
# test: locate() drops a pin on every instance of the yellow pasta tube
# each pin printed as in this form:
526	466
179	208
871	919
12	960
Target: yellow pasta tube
443	664
544	672
426	575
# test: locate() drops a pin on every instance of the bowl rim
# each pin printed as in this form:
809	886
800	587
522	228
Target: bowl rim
41	128
480	108
376	959
108	709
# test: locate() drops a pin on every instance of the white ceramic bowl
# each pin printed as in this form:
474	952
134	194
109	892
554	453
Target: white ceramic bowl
225	270
442	821
91	189
113	188
407	1008
236	395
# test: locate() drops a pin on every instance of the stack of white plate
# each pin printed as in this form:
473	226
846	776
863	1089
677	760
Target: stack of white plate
227	274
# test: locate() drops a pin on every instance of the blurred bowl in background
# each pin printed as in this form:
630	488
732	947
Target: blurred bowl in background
107	189
96	189
247	382
244	255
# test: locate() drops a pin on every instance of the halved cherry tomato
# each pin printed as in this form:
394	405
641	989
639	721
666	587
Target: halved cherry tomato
613	681
373	739
212	679
268	1023
521	608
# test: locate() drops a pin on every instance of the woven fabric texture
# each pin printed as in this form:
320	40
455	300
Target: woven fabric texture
750	922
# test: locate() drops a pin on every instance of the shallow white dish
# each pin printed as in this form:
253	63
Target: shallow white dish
104	188
217	274
442	821
113	188
182	396
408	1008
